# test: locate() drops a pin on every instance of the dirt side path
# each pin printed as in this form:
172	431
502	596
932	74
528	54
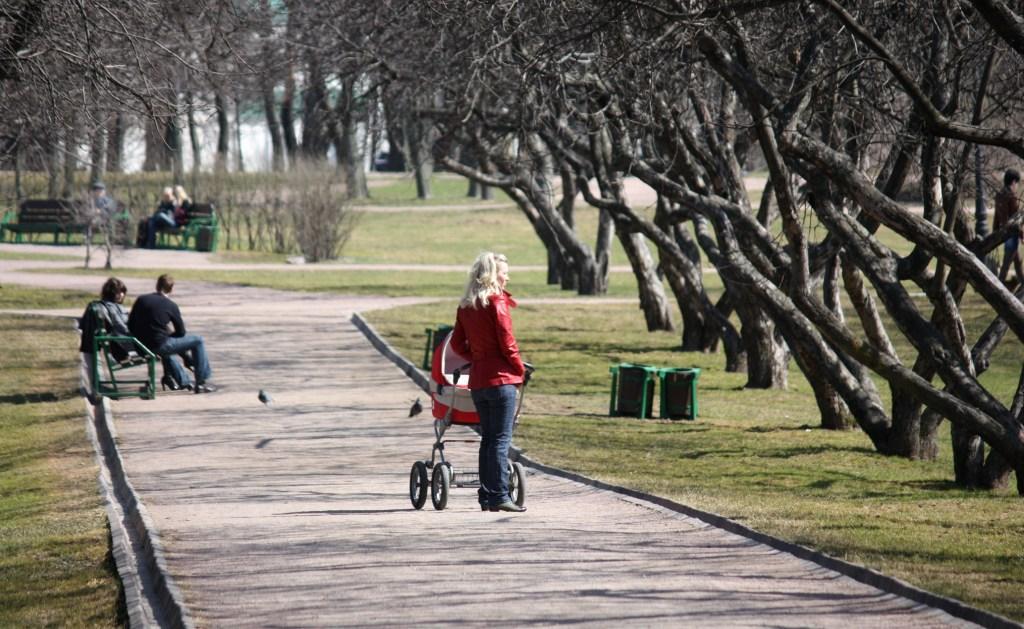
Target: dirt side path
298	514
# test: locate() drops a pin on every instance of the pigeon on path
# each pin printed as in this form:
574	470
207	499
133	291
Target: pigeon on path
265	397
416	408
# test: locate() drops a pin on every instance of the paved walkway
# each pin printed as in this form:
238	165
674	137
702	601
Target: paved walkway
298	514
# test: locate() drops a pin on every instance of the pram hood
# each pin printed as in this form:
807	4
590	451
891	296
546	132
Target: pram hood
445	392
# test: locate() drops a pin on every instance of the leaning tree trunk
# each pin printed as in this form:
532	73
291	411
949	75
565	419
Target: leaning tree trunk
685	277
653	301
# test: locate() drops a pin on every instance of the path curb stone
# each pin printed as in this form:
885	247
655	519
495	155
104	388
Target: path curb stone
857	572
152	598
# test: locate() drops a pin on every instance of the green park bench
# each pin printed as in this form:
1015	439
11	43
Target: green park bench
50	216
200	231
118	354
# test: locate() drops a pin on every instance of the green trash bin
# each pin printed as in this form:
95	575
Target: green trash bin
632	390
434	338
204	239
678	392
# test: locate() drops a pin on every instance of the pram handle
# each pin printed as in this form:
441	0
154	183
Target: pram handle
529	368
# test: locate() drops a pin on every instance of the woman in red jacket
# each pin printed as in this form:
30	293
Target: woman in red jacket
483	335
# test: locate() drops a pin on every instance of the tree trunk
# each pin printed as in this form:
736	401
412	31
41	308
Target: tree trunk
273	127
554	275
19	167
70	157
53	165
98	153
156	148
220	163
968	457
423	162
174	147
115	143
240	161
193	138
350	157
316	111
652	292
766	358
291	143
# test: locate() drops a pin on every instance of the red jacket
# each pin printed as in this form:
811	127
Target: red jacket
484	336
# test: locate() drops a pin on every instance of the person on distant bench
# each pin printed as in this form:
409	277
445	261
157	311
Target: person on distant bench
182	205
156	321
163	218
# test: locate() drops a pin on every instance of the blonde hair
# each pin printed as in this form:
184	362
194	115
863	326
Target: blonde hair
483	280
180	195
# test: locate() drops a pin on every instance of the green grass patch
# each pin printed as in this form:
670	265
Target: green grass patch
13	296
389	283
7	254
445	189
754	456
55	566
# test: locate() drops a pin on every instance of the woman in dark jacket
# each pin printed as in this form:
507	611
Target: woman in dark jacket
483	335
163	218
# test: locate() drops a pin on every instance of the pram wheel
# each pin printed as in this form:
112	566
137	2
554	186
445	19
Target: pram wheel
439	485
418	484
517	483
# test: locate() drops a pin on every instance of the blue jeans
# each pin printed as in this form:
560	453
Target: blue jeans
1011	245
496	407
160	220
179	345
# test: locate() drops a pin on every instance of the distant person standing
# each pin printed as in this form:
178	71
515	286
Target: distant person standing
101	214
1007	205
103	206
156	321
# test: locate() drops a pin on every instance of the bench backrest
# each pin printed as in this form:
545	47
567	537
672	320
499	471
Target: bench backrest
201	210
48	211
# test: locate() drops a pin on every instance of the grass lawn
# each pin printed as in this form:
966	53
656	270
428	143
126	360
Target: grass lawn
28	255
392	283
754	456
445	189
55	566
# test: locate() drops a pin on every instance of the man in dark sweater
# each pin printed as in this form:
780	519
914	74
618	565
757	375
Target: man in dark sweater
1006	207
156	321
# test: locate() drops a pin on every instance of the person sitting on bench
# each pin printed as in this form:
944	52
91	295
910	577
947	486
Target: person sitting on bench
163	218
151	319
114	319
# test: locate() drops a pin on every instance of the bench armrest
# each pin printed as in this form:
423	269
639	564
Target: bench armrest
141	349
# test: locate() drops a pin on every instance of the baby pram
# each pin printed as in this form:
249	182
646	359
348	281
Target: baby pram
451	403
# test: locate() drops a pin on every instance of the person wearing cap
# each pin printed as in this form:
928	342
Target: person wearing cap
103	205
